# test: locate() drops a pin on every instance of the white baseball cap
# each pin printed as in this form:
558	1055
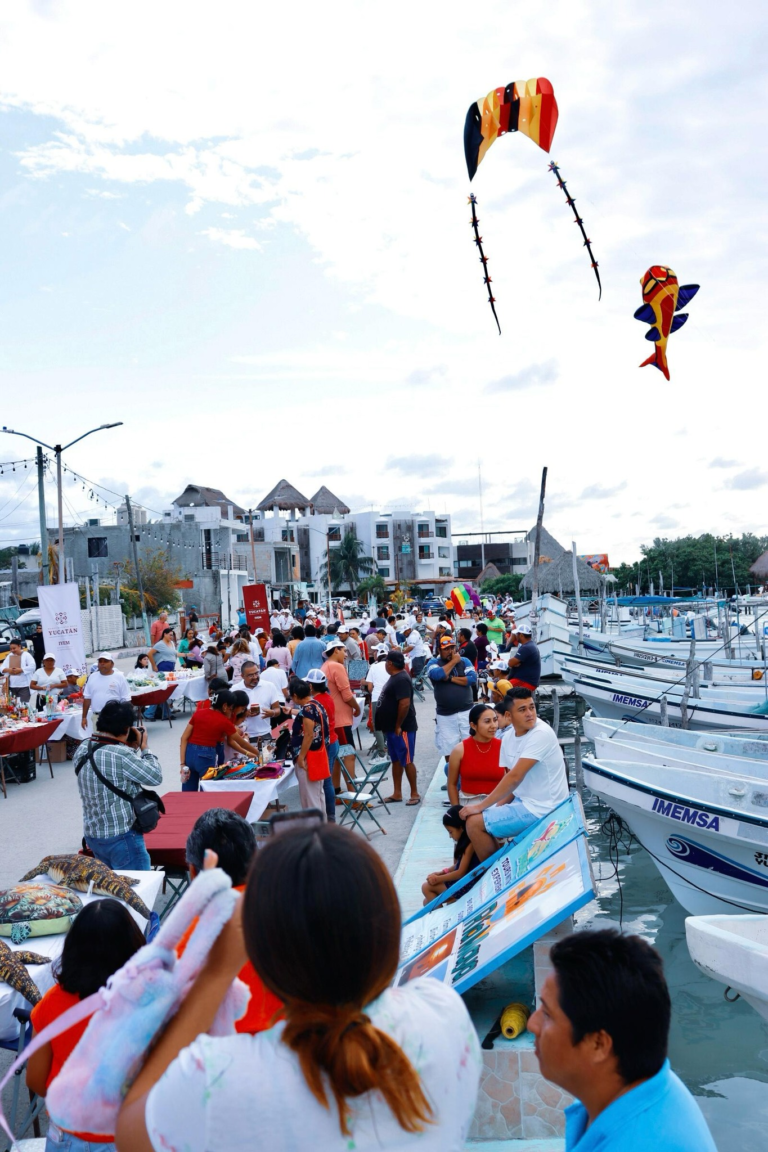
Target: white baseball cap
498	664
333	644
49	656
106	656
342	628
524	630
259	632
380	649
315	676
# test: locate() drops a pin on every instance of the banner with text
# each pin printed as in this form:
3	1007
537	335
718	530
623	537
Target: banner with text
256	607
62	625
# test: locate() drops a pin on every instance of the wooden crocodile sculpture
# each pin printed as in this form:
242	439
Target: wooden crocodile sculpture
14	973
79	871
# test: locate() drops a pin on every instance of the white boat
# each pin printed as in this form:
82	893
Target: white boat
707	835
629	750
722	676
733	950
630	700
680	744
675	653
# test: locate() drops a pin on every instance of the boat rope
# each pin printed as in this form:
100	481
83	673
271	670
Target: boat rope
619	835
731	999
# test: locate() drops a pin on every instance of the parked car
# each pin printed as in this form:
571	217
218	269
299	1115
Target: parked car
434	605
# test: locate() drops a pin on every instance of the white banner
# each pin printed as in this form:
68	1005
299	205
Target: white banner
62	626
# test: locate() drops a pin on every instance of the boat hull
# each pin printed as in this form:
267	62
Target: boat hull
733	950
711	860
613	702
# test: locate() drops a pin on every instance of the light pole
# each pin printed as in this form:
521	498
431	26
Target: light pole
58	449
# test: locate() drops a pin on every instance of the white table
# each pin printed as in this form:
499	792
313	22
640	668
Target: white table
148	889
264	791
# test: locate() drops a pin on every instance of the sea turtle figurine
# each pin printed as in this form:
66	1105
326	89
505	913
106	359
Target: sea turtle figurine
80	872
14	973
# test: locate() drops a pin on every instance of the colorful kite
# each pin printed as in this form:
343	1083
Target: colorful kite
578	220
662	298
473	595
460	598
527	106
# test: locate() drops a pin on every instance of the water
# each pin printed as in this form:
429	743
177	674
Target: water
719	1050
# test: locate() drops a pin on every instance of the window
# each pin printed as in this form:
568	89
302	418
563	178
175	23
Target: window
468	563
287	536
444	553
97	547
423	531
334	532
425	552
519	562
382	552
382	531
445	572
384	572
242	537
441	530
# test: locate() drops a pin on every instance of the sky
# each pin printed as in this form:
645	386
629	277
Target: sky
243	231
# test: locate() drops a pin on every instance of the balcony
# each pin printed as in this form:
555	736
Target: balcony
215	559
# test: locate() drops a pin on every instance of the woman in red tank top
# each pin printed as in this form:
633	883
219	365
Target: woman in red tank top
476	760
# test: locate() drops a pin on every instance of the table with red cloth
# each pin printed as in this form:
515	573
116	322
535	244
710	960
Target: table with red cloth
24	738
167	845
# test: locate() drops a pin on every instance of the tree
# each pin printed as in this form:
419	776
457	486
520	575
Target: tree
373	586
502	585
347	563
158	577
691	563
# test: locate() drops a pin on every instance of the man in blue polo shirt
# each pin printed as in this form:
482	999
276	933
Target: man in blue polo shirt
309	653
601	1031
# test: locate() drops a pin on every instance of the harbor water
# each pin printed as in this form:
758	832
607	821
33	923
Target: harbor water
719	1050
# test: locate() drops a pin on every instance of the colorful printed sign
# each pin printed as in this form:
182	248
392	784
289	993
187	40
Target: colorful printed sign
256	607
598	561
62	625
525	890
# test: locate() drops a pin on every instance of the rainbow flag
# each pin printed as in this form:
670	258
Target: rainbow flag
473	595
460	598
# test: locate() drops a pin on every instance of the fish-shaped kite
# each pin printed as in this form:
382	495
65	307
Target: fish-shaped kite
663	298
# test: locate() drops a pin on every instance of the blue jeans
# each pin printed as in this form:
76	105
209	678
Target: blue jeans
125	851
199	759
150	713
329	792
60	1141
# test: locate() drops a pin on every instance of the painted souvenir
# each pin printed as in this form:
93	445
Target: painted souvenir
36	910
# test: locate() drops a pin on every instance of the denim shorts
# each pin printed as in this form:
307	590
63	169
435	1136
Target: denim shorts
509	821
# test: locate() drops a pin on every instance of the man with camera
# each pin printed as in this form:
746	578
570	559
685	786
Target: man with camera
112	771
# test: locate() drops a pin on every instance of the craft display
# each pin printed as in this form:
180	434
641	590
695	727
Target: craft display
13	972
245	770
85	874
36	910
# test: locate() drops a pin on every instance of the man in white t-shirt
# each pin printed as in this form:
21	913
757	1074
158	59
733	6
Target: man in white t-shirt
535	782
375	679
416	650
274	674
265	699
102	685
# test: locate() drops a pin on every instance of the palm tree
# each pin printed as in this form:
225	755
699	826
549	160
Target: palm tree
347	563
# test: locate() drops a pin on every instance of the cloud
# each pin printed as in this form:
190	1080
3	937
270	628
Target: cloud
331	470
232	238
662	521
599	492
719	462
750	478
541	374
457	487
427	375
418	465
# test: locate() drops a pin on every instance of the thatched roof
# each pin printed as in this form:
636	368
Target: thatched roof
760	567
548	546
285	497
198	496
490	572
326	504
558	574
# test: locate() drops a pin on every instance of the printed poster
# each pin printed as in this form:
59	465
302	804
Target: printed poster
528	889
62	625
256	607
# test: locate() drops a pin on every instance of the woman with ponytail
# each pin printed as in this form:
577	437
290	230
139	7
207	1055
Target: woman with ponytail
353	1063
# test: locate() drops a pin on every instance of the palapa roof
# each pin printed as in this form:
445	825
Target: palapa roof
490	572
285	497
199	496
558	573
760	567
325	503
548	546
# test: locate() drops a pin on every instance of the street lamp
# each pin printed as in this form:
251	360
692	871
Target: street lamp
58	449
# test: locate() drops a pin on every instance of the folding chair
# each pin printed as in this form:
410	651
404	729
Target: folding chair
36	1103
373	778
421	683
357	802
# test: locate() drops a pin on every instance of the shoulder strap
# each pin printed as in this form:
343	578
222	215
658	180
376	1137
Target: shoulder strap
112	787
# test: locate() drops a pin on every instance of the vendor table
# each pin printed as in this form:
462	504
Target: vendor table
262	792
167	844
23	738
148	888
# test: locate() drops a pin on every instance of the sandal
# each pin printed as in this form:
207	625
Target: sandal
413	800
393	800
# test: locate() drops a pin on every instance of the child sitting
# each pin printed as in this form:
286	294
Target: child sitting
103	937
464	859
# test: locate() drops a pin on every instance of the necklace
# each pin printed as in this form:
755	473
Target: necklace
482	752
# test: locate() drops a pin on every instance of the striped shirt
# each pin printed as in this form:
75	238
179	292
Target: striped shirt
104	813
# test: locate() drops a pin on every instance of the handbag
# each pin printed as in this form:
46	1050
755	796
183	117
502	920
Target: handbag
317	764
147	805
130	1012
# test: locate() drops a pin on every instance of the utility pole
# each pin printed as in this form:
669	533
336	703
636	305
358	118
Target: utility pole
41	505
253	546
139	585
537	550
577	593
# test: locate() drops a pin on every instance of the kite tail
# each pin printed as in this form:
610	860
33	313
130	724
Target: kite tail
483	259
578	220
659	360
